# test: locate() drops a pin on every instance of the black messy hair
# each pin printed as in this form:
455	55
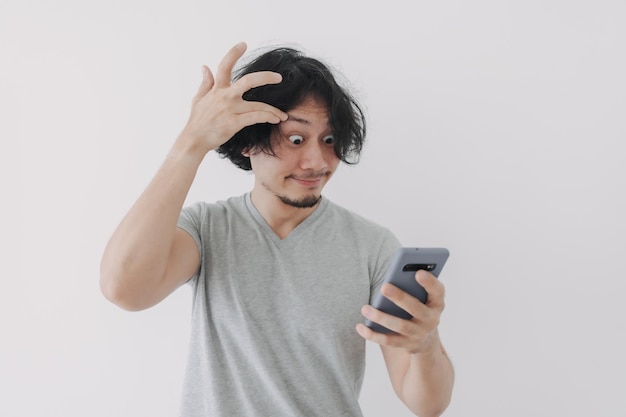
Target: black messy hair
303	77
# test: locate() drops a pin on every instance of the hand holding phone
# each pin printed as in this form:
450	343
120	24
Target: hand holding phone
405	263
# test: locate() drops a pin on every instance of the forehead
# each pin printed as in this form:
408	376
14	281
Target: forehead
311	112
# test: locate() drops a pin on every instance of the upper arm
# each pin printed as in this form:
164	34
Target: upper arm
183	262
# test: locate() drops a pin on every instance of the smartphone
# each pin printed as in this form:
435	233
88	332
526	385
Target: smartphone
401	273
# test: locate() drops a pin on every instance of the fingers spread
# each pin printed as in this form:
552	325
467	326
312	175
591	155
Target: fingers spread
251	118
256	79
206	84
227	64
244	107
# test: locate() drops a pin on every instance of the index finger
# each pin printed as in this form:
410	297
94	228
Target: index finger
432	285
225	68
256	79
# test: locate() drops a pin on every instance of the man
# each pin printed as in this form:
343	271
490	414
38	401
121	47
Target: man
280	276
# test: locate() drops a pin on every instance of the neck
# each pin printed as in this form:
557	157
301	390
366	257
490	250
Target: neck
281	217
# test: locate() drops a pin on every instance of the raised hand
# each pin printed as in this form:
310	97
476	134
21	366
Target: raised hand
218	108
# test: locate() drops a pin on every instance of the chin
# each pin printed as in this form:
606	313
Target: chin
307	201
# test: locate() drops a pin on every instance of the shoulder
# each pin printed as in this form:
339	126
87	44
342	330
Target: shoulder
361	231
355	221
202	210
365	238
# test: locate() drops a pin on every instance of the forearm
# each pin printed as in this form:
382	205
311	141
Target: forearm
426	387
146	258
136	256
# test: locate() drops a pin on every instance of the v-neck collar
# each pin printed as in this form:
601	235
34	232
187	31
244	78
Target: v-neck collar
297	231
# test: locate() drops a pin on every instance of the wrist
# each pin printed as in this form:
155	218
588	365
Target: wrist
429	347
189	148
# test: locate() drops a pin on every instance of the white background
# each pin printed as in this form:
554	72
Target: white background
496	130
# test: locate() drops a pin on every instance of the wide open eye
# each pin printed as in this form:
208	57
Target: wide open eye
296	139
329	140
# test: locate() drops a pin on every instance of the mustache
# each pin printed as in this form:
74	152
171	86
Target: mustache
310	175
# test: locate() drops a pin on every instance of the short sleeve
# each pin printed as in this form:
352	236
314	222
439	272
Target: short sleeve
389	245
190	220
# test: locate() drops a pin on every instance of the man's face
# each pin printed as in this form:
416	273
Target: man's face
305	158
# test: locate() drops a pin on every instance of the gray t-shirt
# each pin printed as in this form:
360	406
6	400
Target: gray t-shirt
273	321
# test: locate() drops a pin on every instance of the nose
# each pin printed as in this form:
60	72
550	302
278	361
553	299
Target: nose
313	156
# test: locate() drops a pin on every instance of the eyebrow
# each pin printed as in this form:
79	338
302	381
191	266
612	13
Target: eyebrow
296	119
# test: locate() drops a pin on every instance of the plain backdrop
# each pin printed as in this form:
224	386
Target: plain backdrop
496	129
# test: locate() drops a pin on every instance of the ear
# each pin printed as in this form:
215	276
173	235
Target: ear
246	152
